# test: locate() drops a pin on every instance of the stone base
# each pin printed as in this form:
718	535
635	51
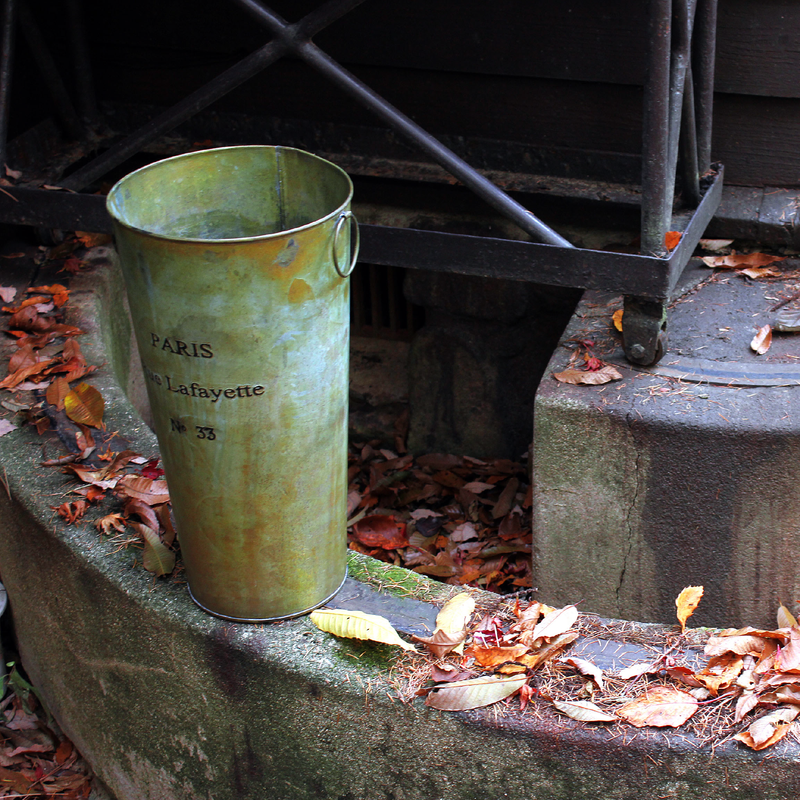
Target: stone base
682	474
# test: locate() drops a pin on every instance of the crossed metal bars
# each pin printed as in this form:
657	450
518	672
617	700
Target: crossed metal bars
676	121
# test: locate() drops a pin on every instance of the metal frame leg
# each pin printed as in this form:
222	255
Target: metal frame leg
6	58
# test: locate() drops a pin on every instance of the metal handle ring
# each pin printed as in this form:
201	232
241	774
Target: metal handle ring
347	216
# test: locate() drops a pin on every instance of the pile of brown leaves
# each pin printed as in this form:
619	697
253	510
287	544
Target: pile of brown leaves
46	362
36	760
475	659
459	519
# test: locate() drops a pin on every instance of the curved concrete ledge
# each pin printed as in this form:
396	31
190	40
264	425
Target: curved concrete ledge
168	703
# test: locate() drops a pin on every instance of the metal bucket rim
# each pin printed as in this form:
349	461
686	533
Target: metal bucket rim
213	242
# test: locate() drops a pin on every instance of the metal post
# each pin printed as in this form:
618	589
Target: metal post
6	57
656	195
683	15
87	102
50	74
690	172
703	55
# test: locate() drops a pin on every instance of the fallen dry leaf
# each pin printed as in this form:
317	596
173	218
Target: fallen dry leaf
637	670
583	711
761	272
720	672
490	657
616	319
556	623
745	644
441	643
686	602
785	617
6	427
762	340
148	491
85	404
739	260
474	693
589	377
157	558
455	613
659	707
380	530
56	392
788	658
671	239
769	729
358	625
586	668
715	245
7	293
109	523
548	651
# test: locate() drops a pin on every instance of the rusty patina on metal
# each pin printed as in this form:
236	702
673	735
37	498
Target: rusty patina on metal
235	262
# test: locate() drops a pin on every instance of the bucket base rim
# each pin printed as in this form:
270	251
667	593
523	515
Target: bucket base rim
271	619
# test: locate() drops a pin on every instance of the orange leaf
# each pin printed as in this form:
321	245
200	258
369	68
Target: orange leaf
84	404
671	239
769	729
617	319
687	601
762	340
659	707
92	239
494	656
10	381
720	672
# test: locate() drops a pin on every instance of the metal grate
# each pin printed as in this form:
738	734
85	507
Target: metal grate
379	309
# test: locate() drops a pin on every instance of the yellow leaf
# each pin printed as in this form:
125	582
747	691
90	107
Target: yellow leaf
455	613
358	625
84	404
785	617
617	319
687	601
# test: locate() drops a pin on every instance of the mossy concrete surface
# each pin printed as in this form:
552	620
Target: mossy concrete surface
169	703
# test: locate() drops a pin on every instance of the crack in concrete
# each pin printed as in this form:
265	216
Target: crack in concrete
629	514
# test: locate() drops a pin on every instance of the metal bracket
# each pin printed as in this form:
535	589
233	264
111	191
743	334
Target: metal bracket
644	330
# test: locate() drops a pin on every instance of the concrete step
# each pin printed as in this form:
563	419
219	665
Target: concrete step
677	475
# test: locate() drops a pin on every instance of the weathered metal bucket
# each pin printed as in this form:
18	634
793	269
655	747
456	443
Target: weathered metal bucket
236	263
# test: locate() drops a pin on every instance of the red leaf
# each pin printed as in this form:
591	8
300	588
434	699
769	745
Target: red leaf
382	531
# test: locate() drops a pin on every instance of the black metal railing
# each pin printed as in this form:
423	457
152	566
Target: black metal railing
677	121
